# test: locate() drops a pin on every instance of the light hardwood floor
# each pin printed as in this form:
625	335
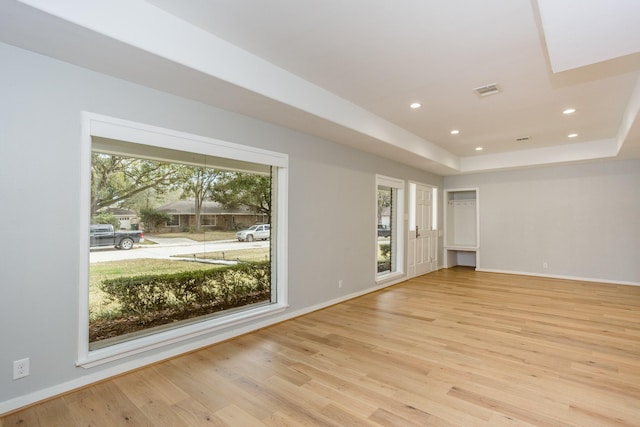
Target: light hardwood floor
452	348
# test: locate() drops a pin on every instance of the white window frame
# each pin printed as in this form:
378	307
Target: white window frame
397	228
99	126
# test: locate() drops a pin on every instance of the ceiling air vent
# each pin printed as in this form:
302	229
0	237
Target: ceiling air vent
487	90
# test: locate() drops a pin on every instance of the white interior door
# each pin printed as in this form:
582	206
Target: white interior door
423	238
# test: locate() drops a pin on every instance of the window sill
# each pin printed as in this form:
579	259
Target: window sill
389	277
162	339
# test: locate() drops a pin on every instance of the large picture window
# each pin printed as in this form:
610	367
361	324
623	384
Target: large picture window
200	248
390	234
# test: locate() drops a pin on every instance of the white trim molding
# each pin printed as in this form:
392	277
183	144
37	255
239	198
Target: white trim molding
96	129
559	276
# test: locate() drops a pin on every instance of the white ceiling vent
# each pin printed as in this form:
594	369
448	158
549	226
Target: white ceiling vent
487	90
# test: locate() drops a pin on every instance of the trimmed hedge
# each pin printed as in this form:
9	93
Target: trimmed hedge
227	286
384	264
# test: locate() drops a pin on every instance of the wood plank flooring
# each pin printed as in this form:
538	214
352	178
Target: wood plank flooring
452	348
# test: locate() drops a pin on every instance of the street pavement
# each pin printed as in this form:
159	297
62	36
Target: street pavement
169	246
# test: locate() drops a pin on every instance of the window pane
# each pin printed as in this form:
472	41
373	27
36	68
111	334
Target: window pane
183	254
385	229
390	233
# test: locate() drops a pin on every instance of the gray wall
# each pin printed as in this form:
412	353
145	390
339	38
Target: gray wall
331	213
583	220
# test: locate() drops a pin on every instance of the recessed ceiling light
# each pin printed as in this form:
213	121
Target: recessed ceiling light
415	105
569	111
572	135
455	132
479	148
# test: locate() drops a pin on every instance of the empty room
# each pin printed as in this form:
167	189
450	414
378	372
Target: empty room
322	213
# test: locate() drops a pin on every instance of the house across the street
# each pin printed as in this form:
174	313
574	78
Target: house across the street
128	219
212	215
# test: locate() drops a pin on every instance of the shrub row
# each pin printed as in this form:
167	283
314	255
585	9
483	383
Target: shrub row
226	286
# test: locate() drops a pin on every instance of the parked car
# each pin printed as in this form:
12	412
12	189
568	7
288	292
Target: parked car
255	232
104	235
384	231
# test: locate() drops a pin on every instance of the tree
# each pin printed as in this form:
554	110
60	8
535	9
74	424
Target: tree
235	189
385	200
197	182
148	198
153	218
106	218
114	179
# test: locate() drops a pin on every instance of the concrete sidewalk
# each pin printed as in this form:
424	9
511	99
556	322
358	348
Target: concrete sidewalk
169	240
181	241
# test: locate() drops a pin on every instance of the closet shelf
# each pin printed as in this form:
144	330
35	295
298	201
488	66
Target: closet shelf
462	248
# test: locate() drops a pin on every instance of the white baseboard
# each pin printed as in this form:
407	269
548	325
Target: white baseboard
559	276
85	380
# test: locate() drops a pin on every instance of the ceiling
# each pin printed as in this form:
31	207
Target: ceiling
347	70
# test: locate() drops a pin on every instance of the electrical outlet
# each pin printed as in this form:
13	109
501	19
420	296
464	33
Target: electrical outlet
339	283
545	265
20	368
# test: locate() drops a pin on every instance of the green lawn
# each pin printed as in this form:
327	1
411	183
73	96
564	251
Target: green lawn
256	254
